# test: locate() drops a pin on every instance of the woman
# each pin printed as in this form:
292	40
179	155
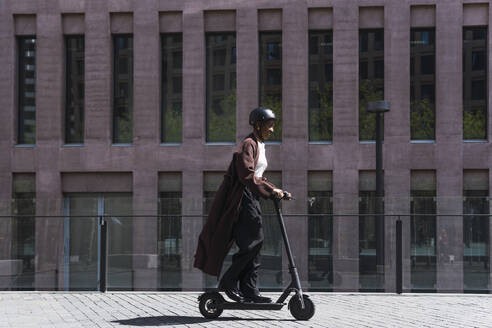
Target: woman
235	215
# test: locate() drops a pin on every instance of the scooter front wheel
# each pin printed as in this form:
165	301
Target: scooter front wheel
209	305
296	309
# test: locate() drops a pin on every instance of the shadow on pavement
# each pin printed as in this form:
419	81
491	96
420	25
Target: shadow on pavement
167	320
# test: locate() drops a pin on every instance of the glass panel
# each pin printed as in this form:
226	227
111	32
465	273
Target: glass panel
320	86
169	238
83	241
320	231
26	133
371	79
271	77
23	230
74	97
123	89
423	240
118	208
476	252
221	92
422	104
171	87
475	96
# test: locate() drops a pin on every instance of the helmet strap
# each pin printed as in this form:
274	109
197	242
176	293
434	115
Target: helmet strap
257	132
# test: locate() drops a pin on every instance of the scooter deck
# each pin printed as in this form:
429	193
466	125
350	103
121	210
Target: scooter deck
250	306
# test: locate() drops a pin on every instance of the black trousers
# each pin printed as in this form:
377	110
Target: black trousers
248	235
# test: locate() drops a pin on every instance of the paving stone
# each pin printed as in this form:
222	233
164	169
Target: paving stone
125	309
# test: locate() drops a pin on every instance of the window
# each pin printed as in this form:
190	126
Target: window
422	84
371	79
171	87
23	228
271	77
221	87
475	98
83	238
476	252
369	277
423	230
320	86
169	241
74	93
320	230
26	132
123	89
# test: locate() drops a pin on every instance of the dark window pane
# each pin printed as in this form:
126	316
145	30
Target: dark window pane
221	87
123	89
427	92
26	133
74	98
478	90
427	64
320	86
271	77
171	87
475	75
478	60
371	78
422	79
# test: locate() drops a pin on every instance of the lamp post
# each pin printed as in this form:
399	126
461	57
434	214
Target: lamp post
379	107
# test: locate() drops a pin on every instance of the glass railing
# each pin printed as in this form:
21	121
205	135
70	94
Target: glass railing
443	246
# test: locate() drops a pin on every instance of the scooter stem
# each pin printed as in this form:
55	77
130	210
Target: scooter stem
296	283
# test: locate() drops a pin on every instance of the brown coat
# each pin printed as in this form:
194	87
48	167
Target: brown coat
216	237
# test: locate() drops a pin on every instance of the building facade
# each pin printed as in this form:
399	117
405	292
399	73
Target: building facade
131	110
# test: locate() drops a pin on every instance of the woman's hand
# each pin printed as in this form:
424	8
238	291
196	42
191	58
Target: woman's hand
278	193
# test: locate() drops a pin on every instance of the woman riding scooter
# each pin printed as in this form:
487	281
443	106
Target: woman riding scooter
235	215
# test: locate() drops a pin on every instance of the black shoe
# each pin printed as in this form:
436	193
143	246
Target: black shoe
233	293
257	299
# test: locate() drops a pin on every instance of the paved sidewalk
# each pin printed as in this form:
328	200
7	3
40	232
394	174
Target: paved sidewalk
136	309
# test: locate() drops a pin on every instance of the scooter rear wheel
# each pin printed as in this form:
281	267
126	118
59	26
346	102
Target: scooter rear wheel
208	305
296	309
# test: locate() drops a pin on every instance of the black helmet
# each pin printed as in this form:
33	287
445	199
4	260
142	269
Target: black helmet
261	114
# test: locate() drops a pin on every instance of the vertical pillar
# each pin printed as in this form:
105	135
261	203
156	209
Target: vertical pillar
345	140
49	86
449	230
191	226
98	77
247	58
7	103
397	136
295	134
146	138
193	139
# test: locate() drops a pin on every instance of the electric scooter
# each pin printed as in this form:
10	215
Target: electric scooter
212	303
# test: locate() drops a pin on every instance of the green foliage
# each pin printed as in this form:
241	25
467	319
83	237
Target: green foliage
422	120
124	126
369	90
222	127
172	125
274	102
474	123
321	119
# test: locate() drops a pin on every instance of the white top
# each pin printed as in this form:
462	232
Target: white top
262	161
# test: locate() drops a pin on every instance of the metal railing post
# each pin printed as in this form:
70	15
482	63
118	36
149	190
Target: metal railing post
103	255
399	256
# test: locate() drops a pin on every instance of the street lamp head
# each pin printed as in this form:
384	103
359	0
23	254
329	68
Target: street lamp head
381	106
